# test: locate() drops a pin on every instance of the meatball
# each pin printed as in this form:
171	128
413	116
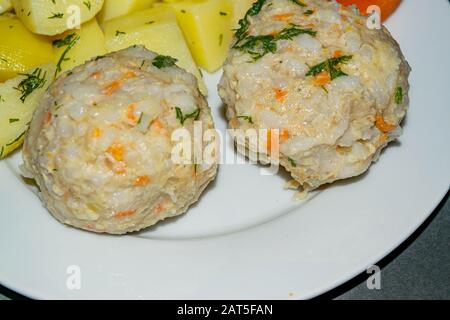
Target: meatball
334	90
100	146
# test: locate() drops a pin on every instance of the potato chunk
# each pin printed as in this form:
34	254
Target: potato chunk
88	42
54	17
157	30
206	25
18	99
20	50
116	8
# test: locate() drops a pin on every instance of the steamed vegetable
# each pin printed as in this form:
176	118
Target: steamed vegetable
156	29
51	17
116	8
20	49
206	25
18	100
74	47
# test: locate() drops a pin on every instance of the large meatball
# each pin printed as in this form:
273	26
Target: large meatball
335	90
100	145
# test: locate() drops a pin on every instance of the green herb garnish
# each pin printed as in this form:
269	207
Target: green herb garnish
17	139
246	118
87	4
331	66
244	23
118	32
182	118
12	120
164	61
292	162
68	41
33	81
398	95
299	2
259	46
56	16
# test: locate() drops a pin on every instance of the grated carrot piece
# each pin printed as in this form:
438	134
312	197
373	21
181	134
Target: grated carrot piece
131	114
280	94
142	181
282	16
382	125
337	54
96	75
124	214
96	133
322	79
48	118
112	87
284	135
117	151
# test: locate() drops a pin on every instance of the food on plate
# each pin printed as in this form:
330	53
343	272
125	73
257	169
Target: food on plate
387	7
75	47
5	5
206	25
52	17
157	30
18	99
20	50
115	8
99	144
331	92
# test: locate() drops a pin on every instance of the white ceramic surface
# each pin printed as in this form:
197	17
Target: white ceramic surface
247	238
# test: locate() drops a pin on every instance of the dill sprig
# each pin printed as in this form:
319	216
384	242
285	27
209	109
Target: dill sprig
331	66
33	81
259	46
164	61
68	41
182	117
244	23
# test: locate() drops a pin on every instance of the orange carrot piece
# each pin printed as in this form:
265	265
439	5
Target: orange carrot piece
282	16
280	94
117	151
322	79
124	214
112	87
382	125
142	181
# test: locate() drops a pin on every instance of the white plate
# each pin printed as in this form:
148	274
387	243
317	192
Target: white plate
246	238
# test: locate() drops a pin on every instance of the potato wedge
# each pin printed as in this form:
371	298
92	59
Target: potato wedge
157	30
20	50
117	8
18	99
50	18
206	25
88	42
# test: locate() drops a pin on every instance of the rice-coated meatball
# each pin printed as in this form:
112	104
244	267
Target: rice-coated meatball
335	90
100	145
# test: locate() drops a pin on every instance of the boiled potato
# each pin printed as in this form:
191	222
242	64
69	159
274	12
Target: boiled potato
18	99
52	17
5	5
116	8
206	25
20	50
240	8
156	29
88	42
